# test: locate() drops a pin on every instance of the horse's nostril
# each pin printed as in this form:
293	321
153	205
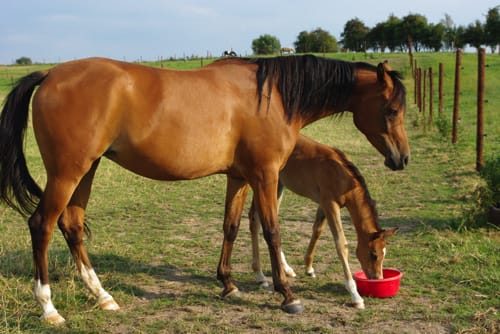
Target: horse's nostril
405	160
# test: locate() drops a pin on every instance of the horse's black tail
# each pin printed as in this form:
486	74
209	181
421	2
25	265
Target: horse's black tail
17	188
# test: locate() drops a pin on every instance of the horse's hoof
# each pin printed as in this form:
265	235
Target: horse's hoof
231	294
290	273
53	318
109	304
295	307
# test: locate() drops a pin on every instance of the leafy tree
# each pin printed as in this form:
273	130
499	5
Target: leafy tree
23	61
318	40
355	35
414	29
266	44
449	32
394	33
459	37
474	34
377	37
434	37
492	28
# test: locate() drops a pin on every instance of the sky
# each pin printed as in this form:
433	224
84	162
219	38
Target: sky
60	30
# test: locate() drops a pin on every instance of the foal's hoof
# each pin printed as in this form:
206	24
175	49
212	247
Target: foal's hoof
231	293
311	273
109	304
263	284
359	306
295	307
290	272
53	318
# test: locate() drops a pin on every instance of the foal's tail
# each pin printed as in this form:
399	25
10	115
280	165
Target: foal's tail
17	188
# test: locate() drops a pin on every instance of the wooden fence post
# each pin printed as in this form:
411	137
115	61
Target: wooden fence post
440	84
480	108
419	89
431	96
415	83
424	89
456	98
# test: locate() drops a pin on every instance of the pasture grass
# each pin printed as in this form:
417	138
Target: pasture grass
155	246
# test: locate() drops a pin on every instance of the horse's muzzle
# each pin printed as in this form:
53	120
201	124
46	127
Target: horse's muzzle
398	163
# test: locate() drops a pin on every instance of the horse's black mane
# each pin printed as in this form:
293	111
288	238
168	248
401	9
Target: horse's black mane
310	84
307	84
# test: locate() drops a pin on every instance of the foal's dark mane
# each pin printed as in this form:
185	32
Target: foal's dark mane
310	84
361	181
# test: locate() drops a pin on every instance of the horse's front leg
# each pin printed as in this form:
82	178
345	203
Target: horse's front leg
332	212
236	193
265	189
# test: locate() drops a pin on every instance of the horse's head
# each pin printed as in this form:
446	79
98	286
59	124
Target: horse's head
378	105
371	254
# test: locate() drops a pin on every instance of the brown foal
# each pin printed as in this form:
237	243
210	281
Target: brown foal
324	175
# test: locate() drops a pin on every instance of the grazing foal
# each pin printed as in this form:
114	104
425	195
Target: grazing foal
324	175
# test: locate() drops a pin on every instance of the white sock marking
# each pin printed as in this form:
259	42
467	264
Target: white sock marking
43	296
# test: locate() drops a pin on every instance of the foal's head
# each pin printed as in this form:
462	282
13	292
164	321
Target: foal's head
371	253
378	105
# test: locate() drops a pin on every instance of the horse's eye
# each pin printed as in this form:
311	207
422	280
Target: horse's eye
373	256
391	114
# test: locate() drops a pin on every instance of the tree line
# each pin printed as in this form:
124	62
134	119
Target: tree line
410	33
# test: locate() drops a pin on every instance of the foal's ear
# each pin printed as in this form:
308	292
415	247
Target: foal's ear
390	232
381	72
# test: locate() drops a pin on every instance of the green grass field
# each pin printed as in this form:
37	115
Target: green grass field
155	246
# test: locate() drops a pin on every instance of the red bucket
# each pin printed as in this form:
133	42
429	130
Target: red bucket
379	288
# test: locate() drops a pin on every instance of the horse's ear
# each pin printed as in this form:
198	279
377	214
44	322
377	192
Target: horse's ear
381	73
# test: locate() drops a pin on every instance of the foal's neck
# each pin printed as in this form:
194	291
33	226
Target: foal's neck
362	210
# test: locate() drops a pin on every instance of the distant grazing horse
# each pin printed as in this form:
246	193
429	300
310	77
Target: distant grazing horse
240	117
324	175
229	53
286	50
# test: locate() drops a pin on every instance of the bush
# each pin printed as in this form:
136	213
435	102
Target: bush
266	45
484	197
23	61
443	125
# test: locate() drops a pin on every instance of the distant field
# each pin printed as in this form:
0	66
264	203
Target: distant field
156	245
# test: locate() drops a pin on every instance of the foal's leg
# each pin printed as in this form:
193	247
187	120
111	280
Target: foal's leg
288	270
317	229
265	194
236	193
332	212
72	227
42	223
254	222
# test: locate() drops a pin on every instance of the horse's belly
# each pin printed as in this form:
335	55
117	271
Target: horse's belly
171	164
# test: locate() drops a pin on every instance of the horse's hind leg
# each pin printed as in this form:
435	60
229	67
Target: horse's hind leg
54	199
71	224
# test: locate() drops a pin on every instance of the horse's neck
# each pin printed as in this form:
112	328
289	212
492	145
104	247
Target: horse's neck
362	213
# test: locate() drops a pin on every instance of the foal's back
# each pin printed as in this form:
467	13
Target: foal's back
317	171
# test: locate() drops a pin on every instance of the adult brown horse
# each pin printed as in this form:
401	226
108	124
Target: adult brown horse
240	117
